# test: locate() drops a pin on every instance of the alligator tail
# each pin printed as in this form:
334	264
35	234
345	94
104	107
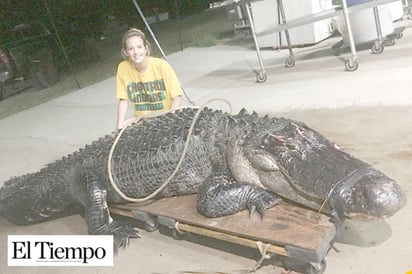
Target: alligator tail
34	198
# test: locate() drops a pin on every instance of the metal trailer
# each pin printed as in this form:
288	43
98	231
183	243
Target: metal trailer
246	6
407	10
288	236
351	63
378	45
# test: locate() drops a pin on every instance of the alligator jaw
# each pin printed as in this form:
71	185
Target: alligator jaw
371	196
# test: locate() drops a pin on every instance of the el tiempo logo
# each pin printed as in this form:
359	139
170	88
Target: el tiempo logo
61	250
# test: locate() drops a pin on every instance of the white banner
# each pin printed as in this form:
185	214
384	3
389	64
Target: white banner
60	250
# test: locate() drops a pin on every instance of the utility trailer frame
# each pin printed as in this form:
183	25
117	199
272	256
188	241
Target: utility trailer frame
351	63
299	236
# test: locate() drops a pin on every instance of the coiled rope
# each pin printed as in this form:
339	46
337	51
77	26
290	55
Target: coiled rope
183	155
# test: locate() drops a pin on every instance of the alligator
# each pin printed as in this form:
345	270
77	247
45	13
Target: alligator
235	162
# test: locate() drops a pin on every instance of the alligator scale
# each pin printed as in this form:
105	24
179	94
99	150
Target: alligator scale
232	162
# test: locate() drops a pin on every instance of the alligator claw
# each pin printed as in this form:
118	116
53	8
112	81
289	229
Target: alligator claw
121	234
262	201
252	210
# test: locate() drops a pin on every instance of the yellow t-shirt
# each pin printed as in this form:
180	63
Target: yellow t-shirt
150	91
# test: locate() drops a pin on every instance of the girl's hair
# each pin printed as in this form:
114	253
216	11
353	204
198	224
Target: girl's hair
130	33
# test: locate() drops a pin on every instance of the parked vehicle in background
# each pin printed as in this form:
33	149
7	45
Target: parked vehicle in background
27	58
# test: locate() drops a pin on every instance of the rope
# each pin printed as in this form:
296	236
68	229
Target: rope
348	180
165	183
263	250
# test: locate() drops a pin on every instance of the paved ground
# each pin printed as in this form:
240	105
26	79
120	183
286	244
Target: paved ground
368	112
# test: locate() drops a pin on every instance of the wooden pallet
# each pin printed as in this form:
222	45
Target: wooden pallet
286	229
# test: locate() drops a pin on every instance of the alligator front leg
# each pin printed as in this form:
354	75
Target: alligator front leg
221	196
97	215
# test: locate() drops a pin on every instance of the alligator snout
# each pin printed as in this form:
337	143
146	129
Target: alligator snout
372	196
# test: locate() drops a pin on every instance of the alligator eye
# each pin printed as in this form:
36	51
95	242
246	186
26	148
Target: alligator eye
265	140
291	147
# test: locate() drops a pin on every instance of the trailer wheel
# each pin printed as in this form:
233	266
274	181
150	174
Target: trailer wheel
315	268
151	225
351	65
377	48
261	77
289	62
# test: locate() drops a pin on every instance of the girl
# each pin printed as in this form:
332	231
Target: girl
149	83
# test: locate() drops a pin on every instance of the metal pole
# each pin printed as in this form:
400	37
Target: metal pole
377	23
279	22
149	29
178	25
261	77
283	17
59	41
157	43
350	34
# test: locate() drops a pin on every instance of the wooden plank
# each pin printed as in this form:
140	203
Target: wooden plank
283	225
230	238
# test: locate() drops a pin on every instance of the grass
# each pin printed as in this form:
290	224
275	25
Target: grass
204	29
201	30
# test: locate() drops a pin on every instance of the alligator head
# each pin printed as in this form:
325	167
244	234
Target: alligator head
301	165
367	194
